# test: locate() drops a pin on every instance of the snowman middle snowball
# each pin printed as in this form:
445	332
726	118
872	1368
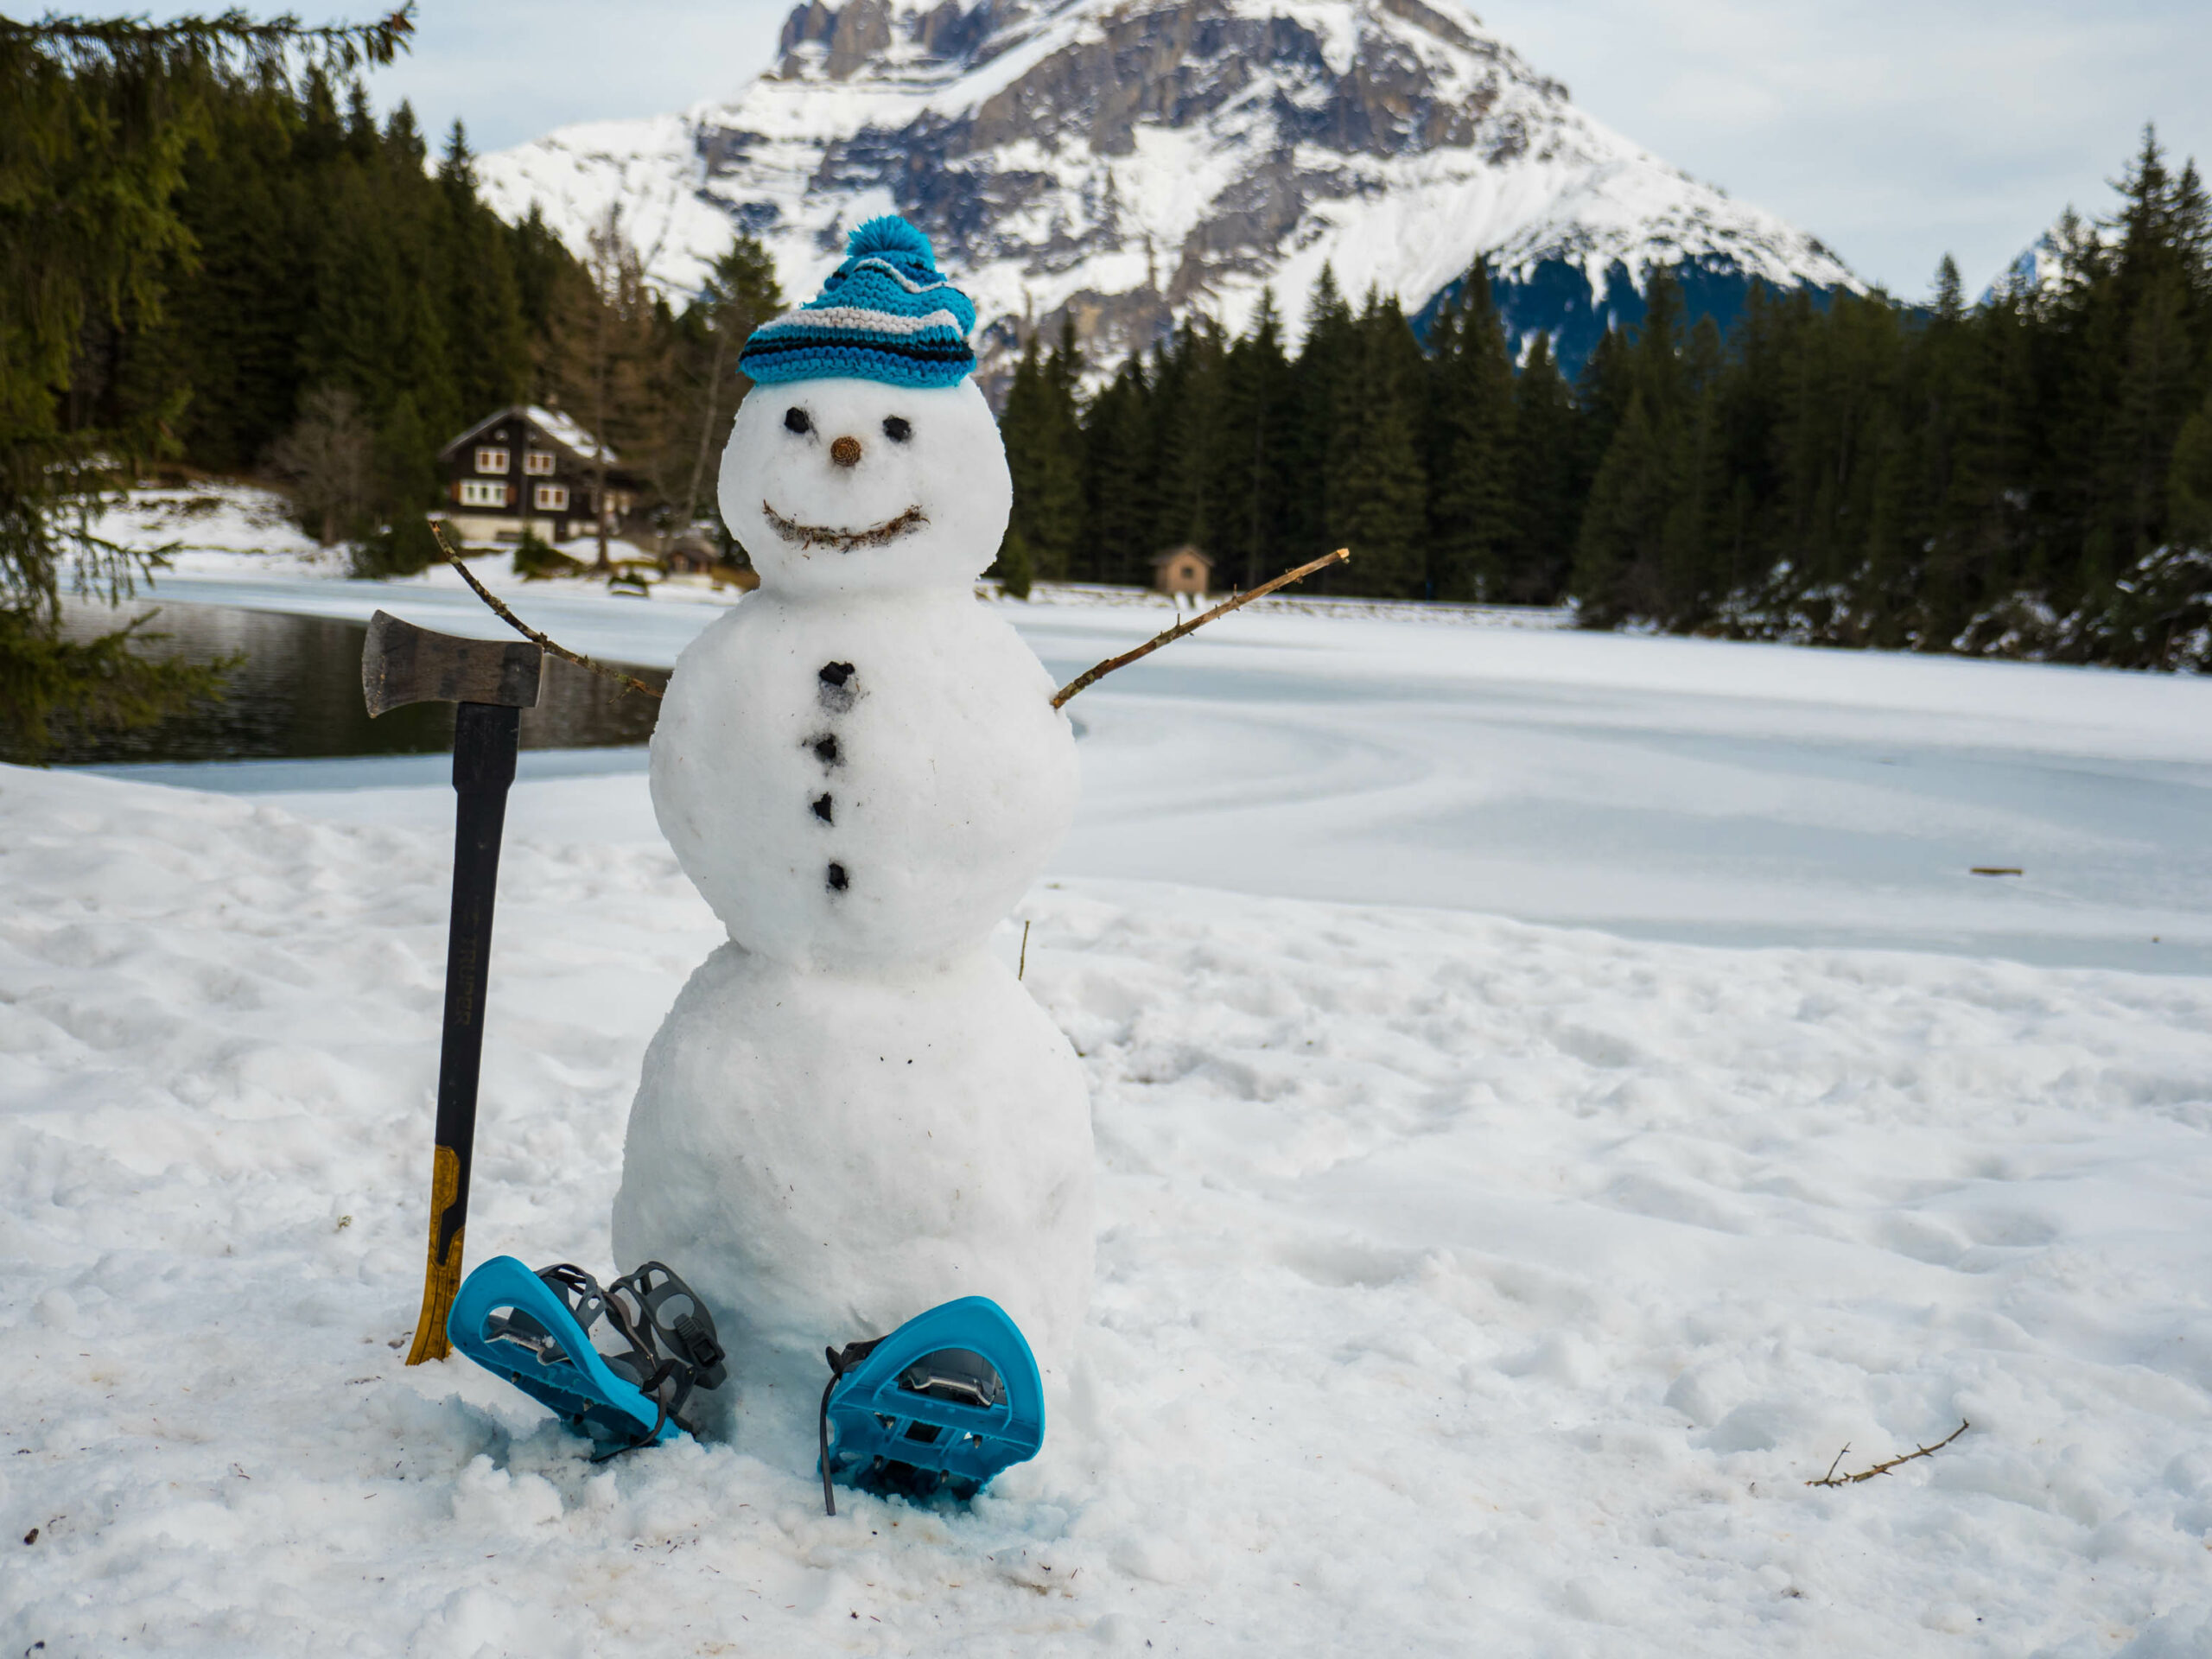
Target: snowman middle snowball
853	1112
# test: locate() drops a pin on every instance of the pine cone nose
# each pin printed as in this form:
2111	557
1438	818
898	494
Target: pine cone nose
846	451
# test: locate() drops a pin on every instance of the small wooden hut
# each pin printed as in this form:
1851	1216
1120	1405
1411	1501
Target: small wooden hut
1182	570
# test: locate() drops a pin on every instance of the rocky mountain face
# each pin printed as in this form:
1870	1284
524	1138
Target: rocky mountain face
1126	163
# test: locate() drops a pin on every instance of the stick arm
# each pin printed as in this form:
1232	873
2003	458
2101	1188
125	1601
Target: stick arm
1090	677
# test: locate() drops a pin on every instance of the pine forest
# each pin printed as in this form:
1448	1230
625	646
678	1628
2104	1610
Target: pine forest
2029	474
345	305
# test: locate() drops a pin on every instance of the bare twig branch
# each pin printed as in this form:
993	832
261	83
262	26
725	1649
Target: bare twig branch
1831	1478
627	681
1091	676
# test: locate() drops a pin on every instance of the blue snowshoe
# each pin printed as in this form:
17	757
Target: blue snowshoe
534	1329
942	1404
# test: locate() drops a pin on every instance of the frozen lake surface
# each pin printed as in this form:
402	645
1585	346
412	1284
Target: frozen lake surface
1688	790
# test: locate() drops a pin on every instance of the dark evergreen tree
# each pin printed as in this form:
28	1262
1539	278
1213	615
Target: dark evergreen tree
1470	448
1691	572
1635	507
407	476
1190	393
2149	322
102	117
1378	490
2189	500
1258	411
1548	486
483	309
705	384
1602	391
235	317
1118	480
1043	454
1321	389
376	322
543	268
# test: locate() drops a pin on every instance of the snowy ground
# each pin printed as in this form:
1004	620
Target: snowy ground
221	528
1467	1286
218	528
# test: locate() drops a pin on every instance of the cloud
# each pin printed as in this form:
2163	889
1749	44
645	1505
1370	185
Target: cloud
1895	131
513	73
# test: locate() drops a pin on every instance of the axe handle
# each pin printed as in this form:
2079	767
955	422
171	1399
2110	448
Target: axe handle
485	738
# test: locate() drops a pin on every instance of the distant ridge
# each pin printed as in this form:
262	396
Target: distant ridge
1129	163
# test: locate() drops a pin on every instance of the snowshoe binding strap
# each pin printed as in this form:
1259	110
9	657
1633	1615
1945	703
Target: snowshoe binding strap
534	1329
679	1322
944	1403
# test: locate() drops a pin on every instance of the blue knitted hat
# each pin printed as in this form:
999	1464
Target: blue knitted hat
884	315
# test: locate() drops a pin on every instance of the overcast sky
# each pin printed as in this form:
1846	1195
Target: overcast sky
1895	130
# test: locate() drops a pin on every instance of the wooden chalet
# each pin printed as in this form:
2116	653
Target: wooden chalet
528	468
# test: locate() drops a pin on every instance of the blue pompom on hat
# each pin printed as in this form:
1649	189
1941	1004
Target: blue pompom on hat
885	314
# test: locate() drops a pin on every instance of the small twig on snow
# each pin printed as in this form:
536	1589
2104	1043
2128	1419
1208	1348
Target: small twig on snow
627	681
1832	1479
1091	675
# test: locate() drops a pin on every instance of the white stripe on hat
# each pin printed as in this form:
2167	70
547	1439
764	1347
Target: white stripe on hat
854	316
900	277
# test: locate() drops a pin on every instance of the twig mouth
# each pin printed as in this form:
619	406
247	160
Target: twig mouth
844	540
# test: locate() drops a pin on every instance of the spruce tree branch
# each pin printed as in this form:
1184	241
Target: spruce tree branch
1091	676
1831	1478
628	683
228	39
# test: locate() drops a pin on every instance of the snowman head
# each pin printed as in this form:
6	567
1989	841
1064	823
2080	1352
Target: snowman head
865	459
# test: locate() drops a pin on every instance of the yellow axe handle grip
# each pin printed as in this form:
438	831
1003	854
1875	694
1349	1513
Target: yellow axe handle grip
440	1279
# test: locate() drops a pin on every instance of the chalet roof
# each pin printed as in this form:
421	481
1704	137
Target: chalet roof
1158	559
555	426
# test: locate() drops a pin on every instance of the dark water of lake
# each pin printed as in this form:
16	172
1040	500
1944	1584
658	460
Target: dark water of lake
298	694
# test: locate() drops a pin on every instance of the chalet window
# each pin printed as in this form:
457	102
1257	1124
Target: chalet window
476	492
539	461
491	460
552	498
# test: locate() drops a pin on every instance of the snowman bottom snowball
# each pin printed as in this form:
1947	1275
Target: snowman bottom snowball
870	1149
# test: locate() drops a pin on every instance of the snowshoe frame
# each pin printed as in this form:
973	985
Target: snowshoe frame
945	1401
534	1329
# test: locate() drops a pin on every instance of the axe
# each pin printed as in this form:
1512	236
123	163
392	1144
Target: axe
490	684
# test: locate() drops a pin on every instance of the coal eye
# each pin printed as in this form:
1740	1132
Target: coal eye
897	431
795	421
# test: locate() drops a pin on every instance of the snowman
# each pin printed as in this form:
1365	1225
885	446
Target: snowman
853	1113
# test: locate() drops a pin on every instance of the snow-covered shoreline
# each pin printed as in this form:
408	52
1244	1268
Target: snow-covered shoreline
1700	790
1466	1287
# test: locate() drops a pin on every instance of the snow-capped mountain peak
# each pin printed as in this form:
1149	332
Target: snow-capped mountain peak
1128	162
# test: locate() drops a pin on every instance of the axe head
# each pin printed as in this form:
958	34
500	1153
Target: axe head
402	664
